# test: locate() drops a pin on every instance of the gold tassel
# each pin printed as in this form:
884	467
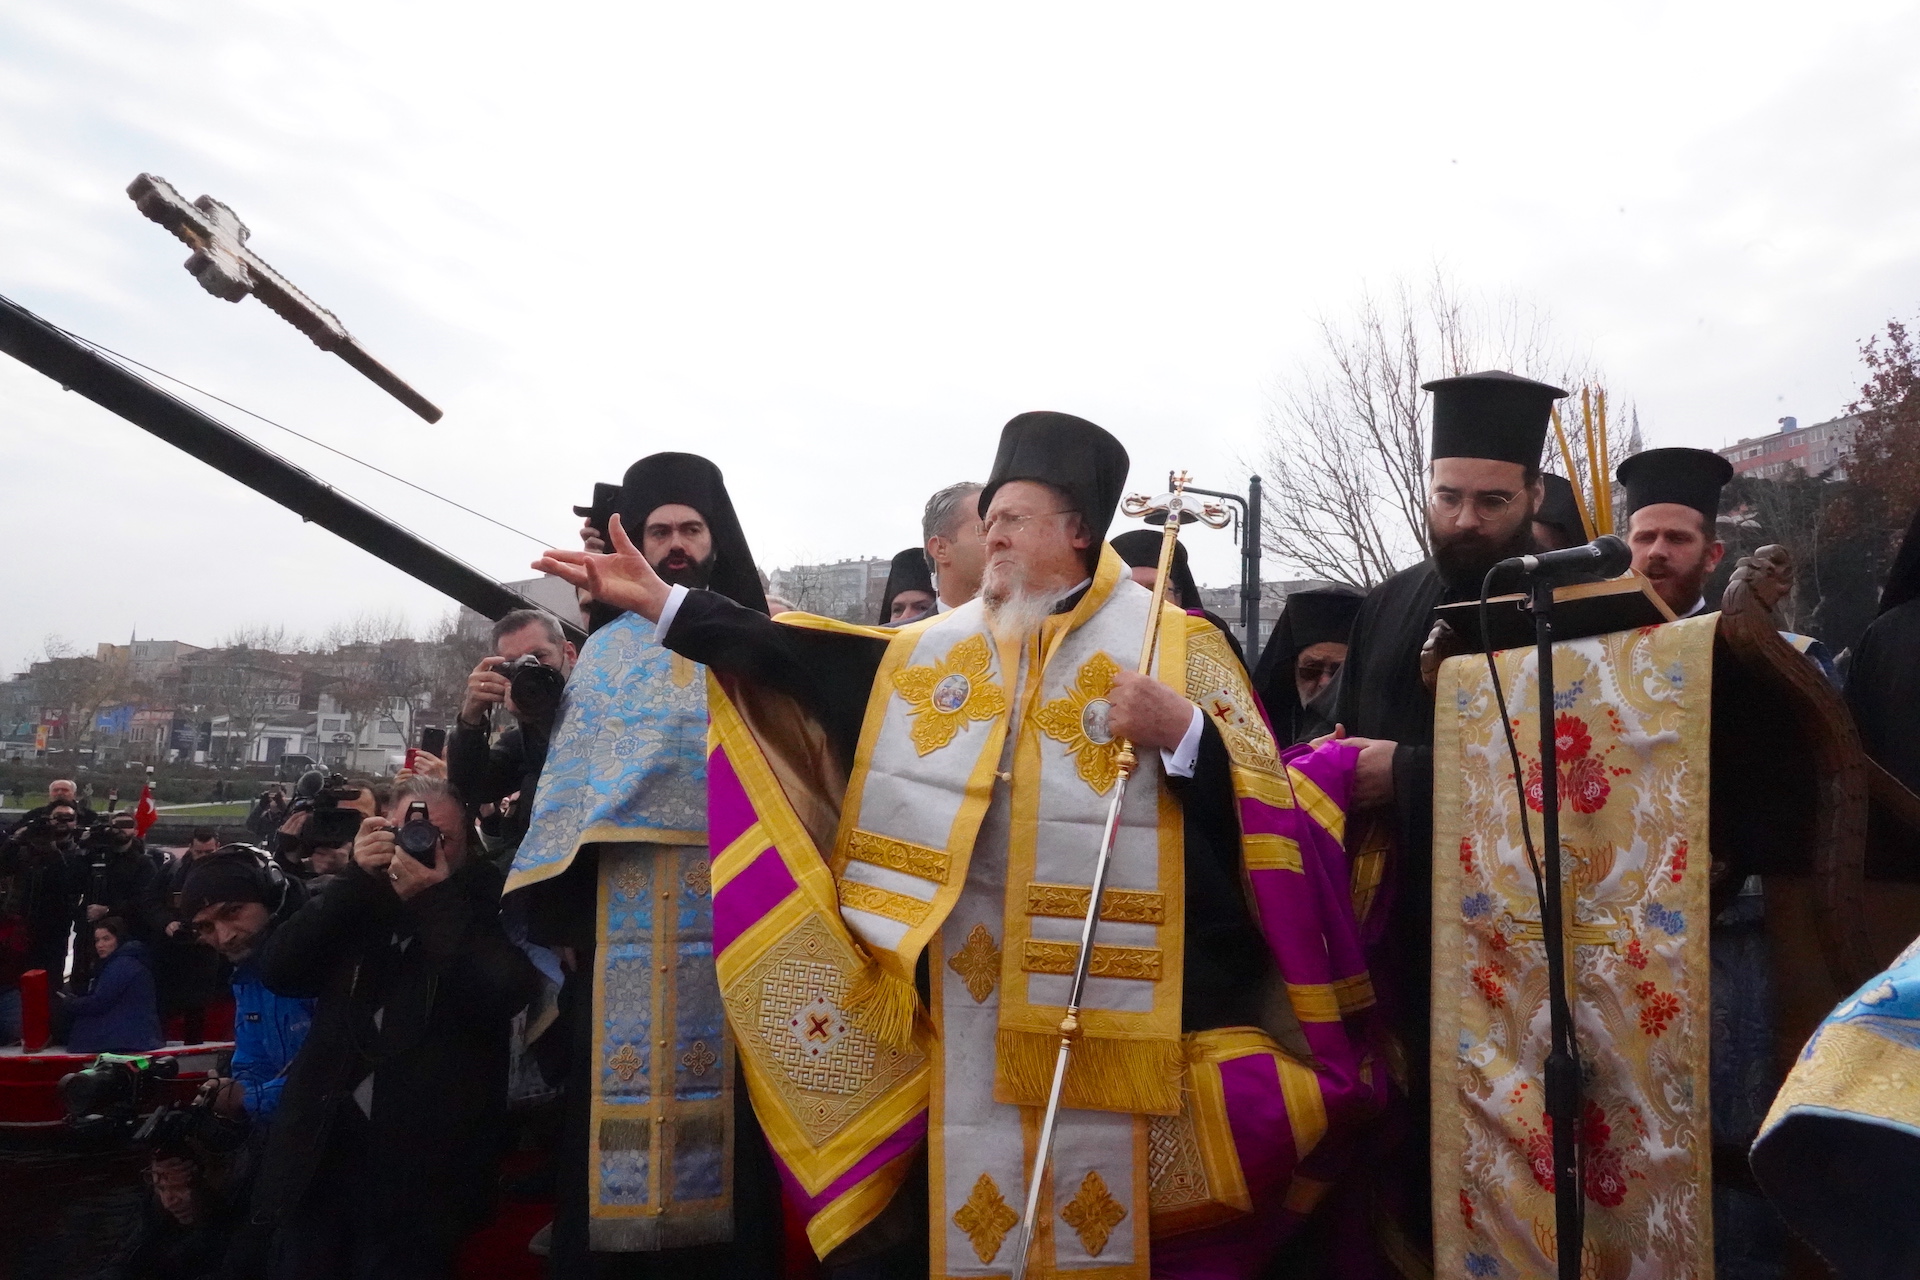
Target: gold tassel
882	1005
1143	1077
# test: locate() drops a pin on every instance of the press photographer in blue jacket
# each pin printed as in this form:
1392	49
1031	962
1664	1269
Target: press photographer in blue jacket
232	900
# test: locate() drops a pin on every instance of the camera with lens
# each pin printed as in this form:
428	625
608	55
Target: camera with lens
536	688
417	837
321	796
106	1098
114	1085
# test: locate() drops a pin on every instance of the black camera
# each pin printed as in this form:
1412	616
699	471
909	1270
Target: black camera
105	1099
321	797
418	837
114	1083
536	688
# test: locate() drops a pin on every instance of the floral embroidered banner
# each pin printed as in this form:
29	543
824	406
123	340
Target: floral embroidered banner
1632	719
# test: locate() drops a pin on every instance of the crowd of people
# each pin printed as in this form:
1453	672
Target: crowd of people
602	896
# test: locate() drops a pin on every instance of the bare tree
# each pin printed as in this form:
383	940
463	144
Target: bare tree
1345	448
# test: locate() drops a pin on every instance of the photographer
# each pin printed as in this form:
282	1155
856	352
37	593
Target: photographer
121	881
483	771
49	874
59	792
124	881
390	1126
316	840
268	812
233	900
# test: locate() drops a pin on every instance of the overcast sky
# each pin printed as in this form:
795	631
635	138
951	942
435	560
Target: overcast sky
834	247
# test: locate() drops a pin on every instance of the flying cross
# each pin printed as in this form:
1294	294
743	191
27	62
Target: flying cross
227	268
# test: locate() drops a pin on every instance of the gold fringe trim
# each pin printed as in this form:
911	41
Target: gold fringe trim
883	1005
1142	1077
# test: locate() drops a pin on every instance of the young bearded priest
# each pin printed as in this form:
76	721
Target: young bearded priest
904	828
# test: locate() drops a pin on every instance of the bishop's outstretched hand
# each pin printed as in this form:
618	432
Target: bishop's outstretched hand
621	578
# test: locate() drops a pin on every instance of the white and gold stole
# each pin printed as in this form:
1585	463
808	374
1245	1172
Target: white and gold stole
971	825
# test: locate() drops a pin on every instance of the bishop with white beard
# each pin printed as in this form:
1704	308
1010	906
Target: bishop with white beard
905	825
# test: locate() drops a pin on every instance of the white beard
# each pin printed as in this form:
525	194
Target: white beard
1014	610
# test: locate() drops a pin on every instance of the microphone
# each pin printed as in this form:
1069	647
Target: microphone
1607	555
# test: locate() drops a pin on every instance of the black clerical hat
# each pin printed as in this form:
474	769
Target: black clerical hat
1314	617
1068	453
908	572
692	481
1690	477
1561	509
1491	415
1140	549
1308	618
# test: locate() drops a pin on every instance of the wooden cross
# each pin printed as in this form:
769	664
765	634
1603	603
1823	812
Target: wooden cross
227	268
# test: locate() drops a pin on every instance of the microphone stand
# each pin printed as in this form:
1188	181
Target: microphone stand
1563	1054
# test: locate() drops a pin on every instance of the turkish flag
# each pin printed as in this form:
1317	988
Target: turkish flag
144	813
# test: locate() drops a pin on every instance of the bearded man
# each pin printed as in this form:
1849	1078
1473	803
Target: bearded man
1483	489
662	1171
1673	500
895	913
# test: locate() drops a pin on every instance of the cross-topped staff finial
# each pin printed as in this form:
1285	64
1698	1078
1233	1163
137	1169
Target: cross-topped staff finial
227	268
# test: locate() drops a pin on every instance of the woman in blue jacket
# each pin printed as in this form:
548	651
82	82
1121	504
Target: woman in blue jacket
120	1014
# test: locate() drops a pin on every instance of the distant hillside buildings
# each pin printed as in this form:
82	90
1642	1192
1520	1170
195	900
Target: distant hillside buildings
1824	447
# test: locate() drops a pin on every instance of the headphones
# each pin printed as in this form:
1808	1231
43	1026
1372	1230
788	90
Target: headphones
279	887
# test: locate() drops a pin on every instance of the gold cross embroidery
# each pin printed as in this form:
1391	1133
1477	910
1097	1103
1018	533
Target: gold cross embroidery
947	694
1093	1213
625	1063
1079	721
986	1219
977	963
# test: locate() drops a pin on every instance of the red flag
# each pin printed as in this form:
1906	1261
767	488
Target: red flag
144	813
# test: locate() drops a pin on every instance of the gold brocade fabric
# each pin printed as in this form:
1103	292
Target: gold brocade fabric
1632	719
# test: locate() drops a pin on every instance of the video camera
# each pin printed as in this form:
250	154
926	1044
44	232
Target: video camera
321	795
105	1098
536	688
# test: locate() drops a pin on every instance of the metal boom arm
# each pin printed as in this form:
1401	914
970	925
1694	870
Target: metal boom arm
39	345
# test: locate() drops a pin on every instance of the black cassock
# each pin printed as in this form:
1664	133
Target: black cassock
831	674
1883	688
1381	696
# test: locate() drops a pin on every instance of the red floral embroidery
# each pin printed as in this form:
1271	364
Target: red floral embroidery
1466	1209
1540	1158
1466	860
1604	1177
1636	954
1498	941
1679	861
1486	978
1659	1010
1585	786
1594	1129
1583	776
1536	795
1571	740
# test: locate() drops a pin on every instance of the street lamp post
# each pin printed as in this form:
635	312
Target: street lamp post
1246	528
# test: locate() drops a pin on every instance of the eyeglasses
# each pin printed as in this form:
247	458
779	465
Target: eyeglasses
1488	506
1014	525
1316	670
